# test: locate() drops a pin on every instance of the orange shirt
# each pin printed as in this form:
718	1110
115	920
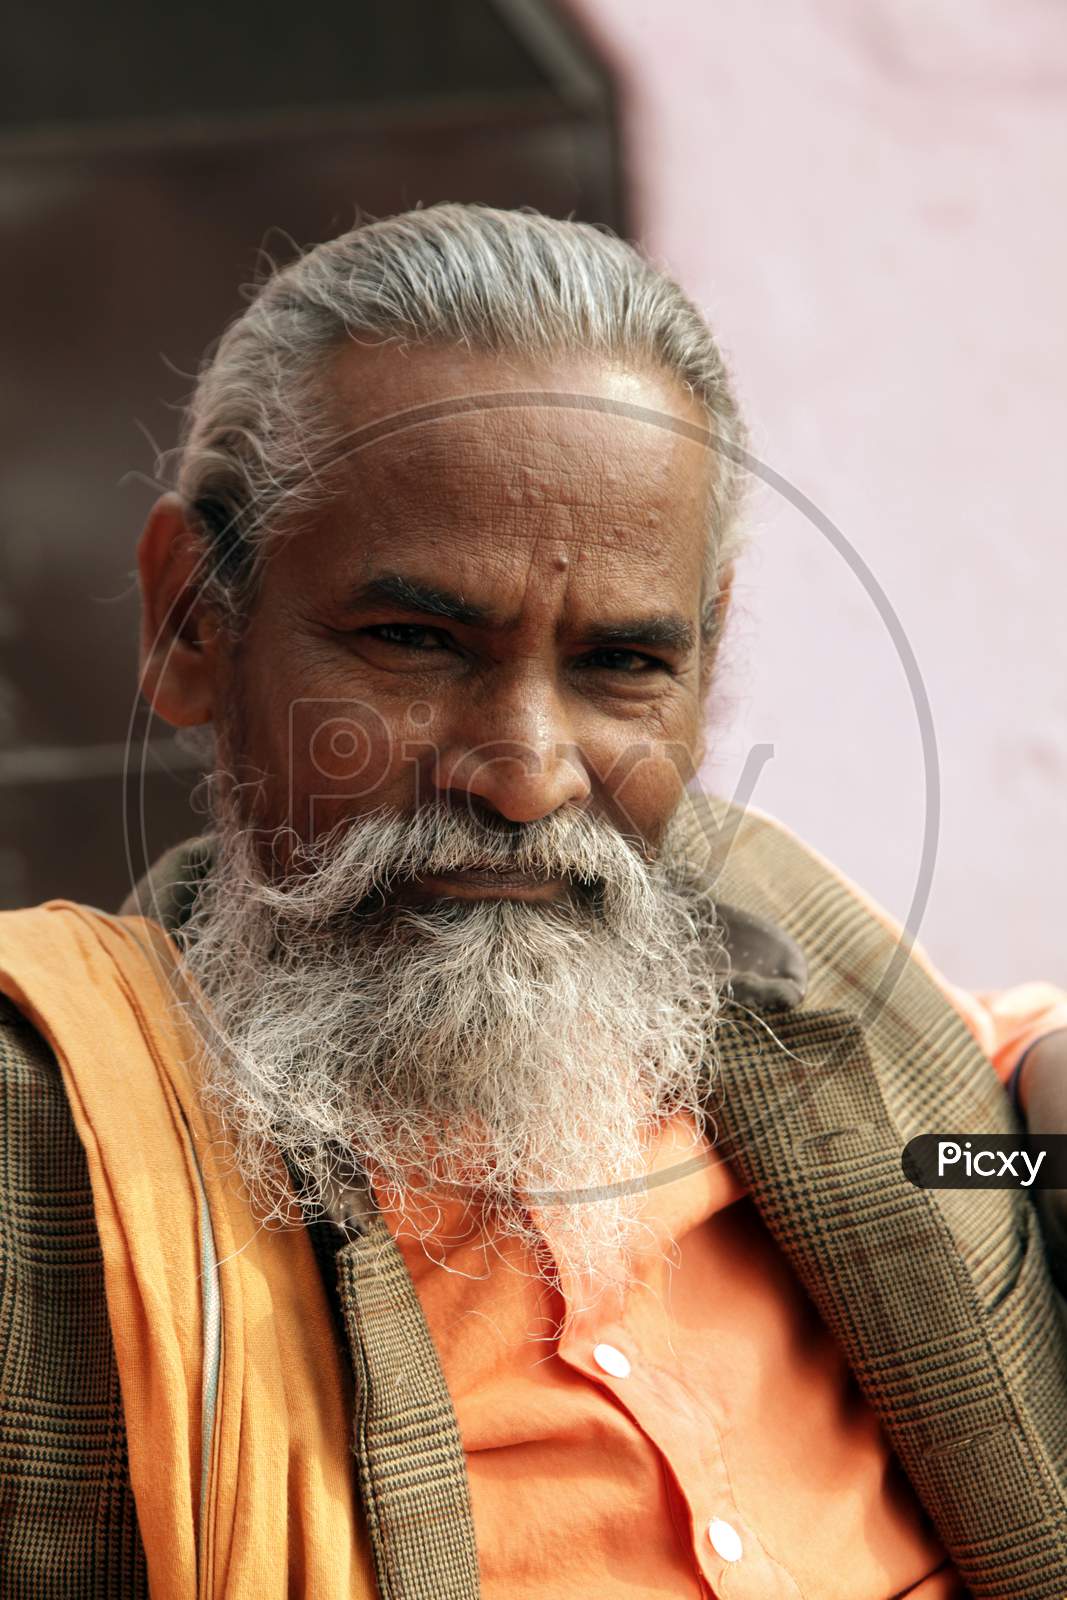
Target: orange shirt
697	1434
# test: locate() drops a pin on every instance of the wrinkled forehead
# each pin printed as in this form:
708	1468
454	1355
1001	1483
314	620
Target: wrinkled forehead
495	452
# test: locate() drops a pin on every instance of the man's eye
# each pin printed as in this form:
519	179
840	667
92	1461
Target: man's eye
628	661
409	635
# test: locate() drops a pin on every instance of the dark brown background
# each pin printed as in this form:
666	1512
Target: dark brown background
147	163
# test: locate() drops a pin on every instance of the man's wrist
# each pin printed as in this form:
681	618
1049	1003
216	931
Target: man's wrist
1038	1082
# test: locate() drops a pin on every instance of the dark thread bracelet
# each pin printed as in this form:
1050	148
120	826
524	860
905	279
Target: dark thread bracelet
1012	1084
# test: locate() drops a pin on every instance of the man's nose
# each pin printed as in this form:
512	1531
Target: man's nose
514	752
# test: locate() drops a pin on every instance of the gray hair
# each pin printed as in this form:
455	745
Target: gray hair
483	279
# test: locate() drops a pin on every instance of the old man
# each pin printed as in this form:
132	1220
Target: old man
474	1166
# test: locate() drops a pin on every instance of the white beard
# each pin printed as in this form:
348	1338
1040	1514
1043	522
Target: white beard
511	1050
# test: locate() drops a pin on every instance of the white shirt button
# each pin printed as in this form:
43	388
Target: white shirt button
611	1361
725	1539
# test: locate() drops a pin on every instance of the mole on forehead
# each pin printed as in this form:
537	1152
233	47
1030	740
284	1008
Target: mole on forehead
599	547
632	622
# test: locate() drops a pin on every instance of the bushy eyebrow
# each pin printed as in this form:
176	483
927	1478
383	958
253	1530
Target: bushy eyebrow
392	588
665	630
668	630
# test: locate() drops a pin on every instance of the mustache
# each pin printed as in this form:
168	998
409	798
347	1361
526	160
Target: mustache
497	1046
365	858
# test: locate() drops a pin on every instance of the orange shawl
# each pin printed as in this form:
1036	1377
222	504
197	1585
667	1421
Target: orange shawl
244	1492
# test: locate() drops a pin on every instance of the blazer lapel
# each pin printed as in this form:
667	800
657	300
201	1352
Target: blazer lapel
799	1111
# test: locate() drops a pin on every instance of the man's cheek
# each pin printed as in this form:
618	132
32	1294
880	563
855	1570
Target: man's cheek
340	756
643	782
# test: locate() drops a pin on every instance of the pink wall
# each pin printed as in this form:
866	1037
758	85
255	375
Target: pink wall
869	202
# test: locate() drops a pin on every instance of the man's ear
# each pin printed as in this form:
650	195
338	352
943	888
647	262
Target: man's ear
180	632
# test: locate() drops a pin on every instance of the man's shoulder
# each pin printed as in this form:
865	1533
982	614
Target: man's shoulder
42	1150
68	1504
751	860
756	861
27	1062
738	845
860	960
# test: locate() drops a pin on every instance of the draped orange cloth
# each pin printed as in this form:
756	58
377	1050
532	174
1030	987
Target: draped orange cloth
279	1510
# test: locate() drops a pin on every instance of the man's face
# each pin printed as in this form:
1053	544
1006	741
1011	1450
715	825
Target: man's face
473	683
499	609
